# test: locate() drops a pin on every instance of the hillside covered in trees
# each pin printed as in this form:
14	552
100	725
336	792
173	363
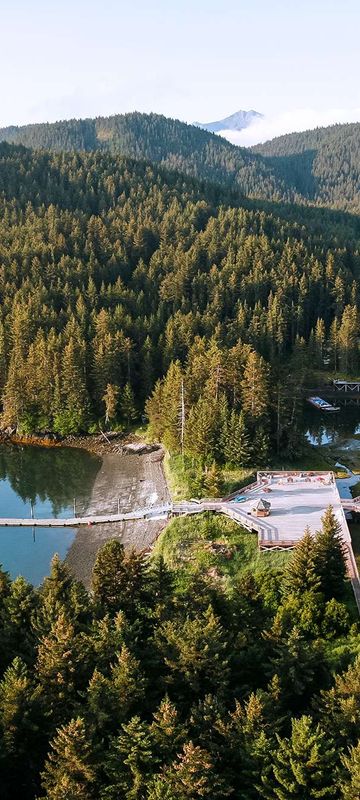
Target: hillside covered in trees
116	274
226	676
320	166
156	138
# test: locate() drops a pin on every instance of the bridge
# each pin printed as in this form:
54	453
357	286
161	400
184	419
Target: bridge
297	499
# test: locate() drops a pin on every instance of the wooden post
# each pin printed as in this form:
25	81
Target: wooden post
31	509
74	506
118	505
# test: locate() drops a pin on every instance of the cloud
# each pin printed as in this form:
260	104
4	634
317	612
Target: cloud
301	119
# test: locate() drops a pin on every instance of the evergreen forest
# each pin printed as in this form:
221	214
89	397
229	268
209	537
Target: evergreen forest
123	283
319	167
151	271
183	683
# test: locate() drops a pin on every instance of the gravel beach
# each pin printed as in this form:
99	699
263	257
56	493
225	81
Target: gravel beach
137	481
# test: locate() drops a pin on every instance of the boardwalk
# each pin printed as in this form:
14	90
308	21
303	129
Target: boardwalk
298	499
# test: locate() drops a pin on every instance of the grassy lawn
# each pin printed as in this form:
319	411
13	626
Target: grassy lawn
216	546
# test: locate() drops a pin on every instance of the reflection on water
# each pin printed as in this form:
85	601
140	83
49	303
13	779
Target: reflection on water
48	480
323	429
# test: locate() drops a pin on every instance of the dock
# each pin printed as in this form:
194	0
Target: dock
297	500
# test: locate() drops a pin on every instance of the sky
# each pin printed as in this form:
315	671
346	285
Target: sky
297	62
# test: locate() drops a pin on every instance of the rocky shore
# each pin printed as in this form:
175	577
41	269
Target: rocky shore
127	481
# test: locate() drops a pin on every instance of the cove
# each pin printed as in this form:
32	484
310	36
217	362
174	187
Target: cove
46	480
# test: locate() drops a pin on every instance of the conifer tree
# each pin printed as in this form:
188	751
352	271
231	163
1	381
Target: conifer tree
350	786
168	732
195	652
213	480
190	777
21	729
171	407
304	765
340	705
261	447
301	574
254	387
237	448
110	400
200	434
58	667
108	575
330	556
127	405
131	761
69	770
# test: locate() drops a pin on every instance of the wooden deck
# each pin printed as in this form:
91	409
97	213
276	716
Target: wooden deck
298	500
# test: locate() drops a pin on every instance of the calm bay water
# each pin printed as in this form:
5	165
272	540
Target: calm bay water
50	479
336	428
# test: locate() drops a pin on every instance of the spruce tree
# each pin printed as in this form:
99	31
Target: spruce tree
110	400
301	574
127	405
350	786
303	765
167	730
107	576
237	447
254	387
330	556
200	432
191	776
69	770
213	480
131	761
22	734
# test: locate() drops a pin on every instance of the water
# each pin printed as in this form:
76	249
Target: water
339	428
50	479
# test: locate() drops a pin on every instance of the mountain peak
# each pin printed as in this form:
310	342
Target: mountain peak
235	122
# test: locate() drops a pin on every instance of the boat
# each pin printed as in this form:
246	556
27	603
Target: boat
321	404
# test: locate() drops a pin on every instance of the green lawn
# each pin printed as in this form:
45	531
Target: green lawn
216	546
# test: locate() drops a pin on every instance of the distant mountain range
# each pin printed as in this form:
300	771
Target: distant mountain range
235	122
320	166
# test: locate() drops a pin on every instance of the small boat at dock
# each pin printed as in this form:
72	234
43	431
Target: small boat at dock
321	404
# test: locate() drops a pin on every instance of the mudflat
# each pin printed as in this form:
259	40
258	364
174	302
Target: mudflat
133	481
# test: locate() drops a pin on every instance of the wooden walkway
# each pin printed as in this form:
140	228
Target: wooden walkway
282	530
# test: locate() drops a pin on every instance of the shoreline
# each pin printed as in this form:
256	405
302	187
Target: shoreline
97	443
134	479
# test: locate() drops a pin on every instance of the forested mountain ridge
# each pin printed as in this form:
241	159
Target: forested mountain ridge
116	273
322	165
156	138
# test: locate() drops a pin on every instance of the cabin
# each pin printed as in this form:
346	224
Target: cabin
262	508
